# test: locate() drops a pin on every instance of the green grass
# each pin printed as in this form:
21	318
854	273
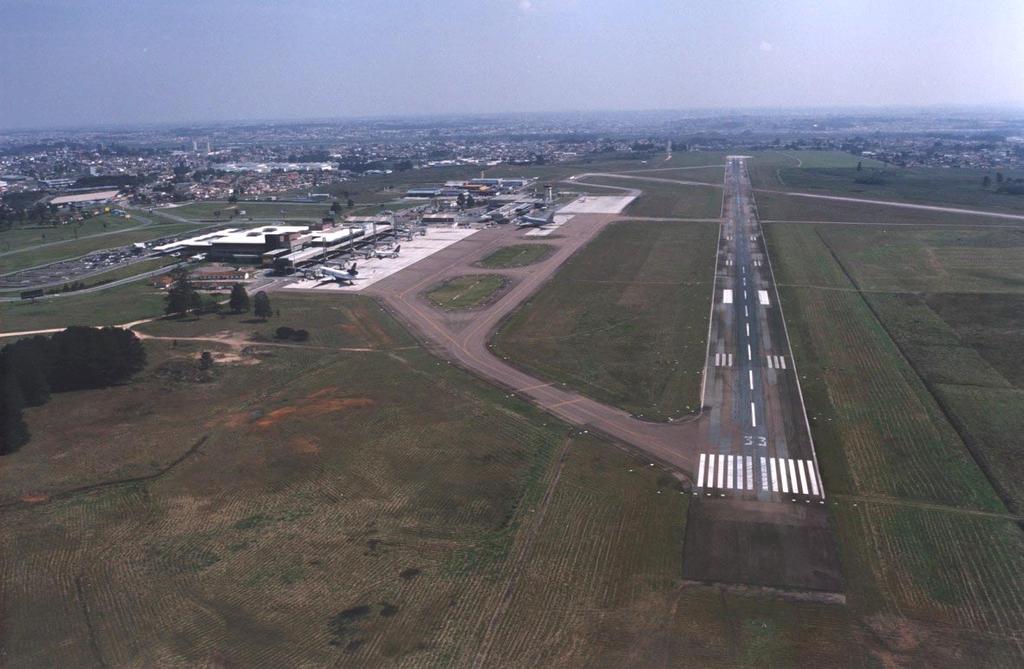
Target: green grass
777	207
666	200
877	428
930	259
30	257
517	255
205	211
922	185
466	292
105	307
625	319
26	236
331	323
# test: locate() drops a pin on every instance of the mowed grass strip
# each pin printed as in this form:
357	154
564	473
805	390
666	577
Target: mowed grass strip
935	260
112	306
625	319
517	255
41	255
878	429
17	238
466	292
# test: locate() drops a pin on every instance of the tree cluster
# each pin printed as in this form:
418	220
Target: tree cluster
78	358
287	333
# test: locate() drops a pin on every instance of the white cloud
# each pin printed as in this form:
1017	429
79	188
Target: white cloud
525	6
765	46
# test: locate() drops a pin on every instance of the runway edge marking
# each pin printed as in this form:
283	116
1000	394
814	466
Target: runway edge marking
789	345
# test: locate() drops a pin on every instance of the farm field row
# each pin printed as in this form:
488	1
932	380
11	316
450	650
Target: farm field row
625	319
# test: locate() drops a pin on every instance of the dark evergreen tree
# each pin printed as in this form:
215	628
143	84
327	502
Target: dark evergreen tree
239	300
261	306
13	431
182	296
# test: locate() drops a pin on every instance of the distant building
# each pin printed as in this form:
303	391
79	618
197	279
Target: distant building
82	199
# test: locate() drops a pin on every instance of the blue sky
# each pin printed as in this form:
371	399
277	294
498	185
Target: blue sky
86	62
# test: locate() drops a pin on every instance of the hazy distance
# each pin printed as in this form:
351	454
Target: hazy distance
73	63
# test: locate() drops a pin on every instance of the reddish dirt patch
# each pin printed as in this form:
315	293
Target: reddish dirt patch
315	404
304	445
34	497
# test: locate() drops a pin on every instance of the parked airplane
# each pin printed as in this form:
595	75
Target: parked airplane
349	276
533	221
393	253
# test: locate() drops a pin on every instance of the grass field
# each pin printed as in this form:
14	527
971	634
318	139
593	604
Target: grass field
878	428
23	237
41	255
625	319
922	185
709	175
668	200
204	211
466	292
517	255
121	304
301	506
774	206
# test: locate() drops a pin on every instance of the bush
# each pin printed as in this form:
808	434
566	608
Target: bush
300	335
284	332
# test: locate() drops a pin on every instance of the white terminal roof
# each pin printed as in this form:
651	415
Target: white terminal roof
85	197
233	236
336	235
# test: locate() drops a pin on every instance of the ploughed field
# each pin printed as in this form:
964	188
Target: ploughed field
625	319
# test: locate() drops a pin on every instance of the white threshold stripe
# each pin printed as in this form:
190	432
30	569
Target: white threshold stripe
762	296
750	472
700	471
728	479
726	296
711	471
782	475
730	359
813	478
739	472
782	361
721	469
792	475
770	362
753	415
764	473
803	477
775	478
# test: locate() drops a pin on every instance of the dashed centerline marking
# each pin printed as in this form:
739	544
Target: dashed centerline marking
753	415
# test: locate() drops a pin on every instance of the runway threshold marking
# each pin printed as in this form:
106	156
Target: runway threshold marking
762	296
726	296
737	472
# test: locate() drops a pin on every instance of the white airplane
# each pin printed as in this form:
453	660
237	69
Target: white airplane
349	276
393	253
533	221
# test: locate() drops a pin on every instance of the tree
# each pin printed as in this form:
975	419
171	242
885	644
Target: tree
350	203
29	361
335	207
999	177
860	166
986	182
232	198
261	306
206	360
182	297
13	431
461	200
239	300
284	332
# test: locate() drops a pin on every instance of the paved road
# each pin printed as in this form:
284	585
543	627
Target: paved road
758	437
